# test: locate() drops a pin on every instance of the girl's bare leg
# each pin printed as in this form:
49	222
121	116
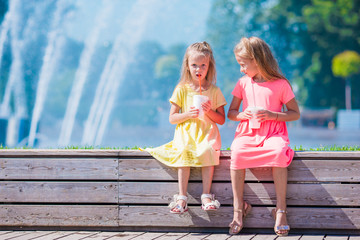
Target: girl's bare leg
280	176
207	176
183	176
237	183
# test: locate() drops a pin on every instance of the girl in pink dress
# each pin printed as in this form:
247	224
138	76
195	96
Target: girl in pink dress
262	91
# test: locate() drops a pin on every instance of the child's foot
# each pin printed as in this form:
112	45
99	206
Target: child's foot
238	221
281	227
208	202
179	205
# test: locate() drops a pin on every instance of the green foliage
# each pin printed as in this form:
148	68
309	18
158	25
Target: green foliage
332	26
167	66
346	64
304	36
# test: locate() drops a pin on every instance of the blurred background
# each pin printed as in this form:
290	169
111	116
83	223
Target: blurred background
100	72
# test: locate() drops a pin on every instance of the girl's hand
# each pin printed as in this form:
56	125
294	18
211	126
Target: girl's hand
194	112
245	115
264	115
206	106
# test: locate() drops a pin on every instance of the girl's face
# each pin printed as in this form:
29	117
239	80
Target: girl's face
198	66
247	66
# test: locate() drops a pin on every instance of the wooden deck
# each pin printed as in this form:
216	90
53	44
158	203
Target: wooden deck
99	190
75	235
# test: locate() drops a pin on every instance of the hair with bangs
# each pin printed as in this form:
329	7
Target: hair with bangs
198	48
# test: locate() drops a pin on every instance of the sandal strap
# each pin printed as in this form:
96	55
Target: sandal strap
283	228
175	205
180	197
207	195
281	211
215	203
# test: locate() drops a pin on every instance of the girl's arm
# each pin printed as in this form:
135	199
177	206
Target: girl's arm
175	117
234	113
217	116
292	113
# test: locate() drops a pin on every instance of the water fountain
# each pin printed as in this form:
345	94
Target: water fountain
113	73
18	28
82	75
51	59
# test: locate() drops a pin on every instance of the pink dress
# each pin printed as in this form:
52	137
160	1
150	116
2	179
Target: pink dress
268	145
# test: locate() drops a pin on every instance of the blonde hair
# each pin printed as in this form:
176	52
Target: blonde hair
257	49
200	48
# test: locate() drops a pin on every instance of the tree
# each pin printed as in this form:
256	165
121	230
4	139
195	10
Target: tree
304	36
345	65
333	26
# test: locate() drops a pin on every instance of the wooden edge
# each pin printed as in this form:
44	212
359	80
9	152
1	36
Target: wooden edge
58	153
138	153
298	154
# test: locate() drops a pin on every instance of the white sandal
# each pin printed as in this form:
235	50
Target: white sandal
175	207
211	206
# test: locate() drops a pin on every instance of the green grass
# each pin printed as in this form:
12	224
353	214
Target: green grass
328	148
76	148
323	148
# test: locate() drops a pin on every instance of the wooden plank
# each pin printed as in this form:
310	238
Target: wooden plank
59	215
264	237
336	237
149	235
327	154
4	232
136	153
59	192
297	155
255	193
79	235
299	170
260	217
243	236
292	236
14	235
4	153
59	168
102	236
325	171
217	236
126	235
55	235
34	235
312	237
195	236
173	236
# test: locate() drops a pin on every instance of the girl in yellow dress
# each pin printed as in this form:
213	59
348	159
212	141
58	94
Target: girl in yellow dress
197	139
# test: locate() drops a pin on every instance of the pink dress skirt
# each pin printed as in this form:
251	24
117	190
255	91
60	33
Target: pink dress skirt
267	146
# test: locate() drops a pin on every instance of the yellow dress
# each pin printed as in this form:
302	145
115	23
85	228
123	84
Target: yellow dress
196	141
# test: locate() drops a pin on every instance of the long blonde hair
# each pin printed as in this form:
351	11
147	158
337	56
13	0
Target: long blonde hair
201	48
257	49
